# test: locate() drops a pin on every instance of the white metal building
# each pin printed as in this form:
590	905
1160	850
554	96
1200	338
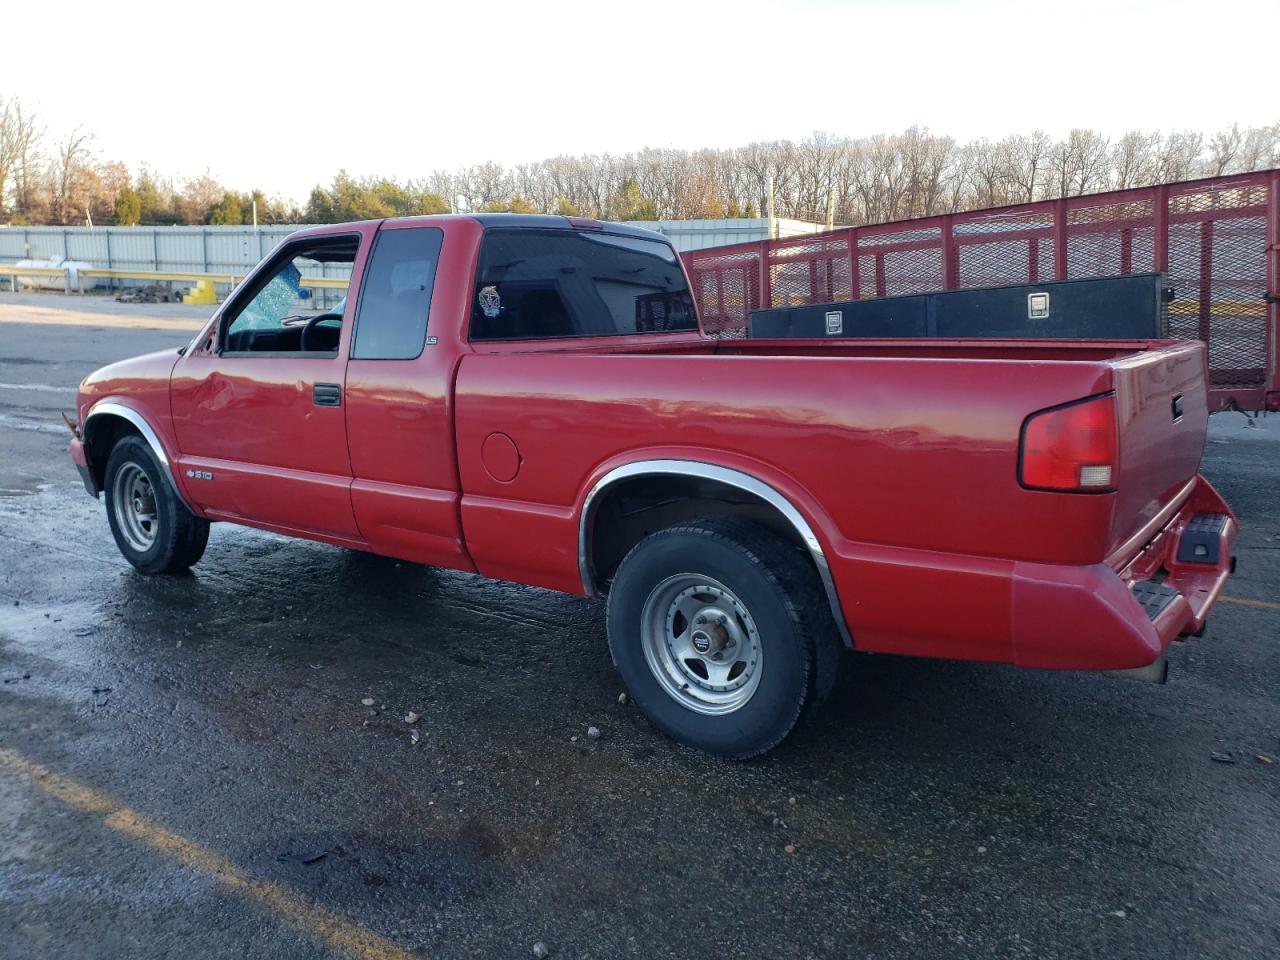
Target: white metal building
233	250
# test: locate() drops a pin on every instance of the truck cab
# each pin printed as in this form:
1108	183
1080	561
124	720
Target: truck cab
334	422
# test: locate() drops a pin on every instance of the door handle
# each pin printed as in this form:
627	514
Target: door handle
327	395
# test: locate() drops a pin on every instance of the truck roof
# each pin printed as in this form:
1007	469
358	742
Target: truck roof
543	221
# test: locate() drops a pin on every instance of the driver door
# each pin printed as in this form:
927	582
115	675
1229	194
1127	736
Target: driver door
258	405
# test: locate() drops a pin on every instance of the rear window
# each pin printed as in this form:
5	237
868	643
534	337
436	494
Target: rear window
535	284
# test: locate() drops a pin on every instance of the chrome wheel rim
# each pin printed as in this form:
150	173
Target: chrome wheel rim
134	500
701	644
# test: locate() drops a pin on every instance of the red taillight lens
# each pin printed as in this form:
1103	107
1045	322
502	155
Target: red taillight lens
1071	448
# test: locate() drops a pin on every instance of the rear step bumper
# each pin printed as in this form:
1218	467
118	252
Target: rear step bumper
1099	618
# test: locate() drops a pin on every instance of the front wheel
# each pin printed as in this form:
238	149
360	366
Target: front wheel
722	634
152	527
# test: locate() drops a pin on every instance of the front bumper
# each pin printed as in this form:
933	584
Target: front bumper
1120	617
80	457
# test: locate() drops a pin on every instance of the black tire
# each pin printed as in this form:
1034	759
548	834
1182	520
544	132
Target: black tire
178	537
779	588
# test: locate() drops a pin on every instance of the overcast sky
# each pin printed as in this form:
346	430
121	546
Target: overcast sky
281	95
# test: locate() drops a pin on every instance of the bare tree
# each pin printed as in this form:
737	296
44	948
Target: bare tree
960	183
1133	159
198	196
20	158
1259	150
1089	150
7	149
1223	150
68	175
1027	158
1179	157
987	165
926	159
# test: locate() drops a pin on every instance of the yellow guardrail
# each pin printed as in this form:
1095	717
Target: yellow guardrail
13	271
10	268
162	276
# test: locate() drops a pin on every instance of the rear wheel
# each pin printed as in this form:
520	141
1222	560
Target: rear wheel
152	527
722	634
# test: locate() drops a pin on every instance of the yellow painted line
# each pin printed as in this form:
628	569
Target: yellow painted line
338	933
1245	601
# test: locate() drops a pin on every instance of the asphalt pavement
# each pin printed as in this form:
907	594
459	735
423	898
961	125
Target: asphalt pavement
228	764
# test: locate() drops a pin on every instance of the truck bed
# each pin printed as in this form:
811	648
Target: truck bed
902	454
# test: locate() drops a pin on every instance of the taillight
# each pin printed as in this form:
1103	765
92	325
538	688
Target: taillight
1072	447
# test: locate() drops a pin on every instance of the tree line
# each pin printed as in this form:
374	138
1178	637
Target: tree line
44	180
848	180
857	181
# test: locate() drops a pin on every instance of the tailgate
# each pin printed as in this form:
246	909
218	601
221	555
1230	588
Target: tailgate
1162	413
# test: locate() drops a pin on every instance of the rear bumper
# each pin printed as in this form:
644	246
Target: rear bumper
80	457
1099	617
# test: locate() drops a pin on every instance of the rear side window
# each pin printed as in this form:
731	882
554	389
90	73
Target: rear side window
535	284
395	298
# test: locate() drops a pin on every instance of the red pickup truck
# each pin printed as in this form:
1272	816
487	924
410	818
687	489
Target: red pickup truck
531	398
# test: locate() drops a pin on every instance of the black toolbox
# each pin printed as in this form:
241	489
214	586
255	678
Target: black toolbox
1130	307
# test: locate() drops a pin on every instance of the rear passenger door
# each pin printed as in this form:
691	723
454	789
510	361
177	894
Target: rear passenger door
398	403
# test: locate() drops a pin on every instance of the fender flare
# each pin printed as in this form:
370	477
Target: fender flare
729	477
117	409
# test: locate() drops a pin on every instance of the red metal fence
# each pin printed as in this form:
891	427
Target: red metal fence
1218	240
